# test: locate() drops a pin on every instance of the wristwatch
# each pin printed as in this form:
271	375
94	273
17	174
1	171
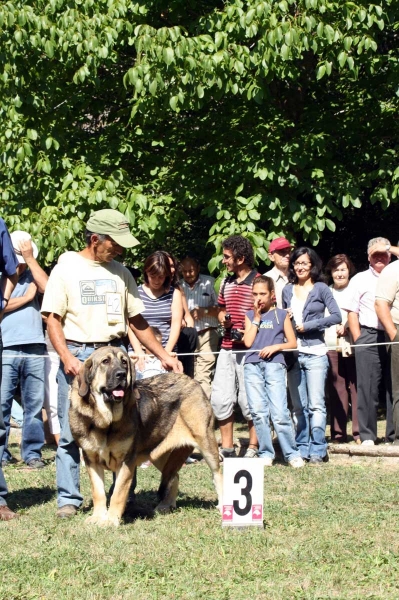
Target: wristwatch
388	247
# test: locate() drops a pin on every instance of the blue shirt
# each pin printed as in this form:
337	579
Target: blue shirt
24	325
270	332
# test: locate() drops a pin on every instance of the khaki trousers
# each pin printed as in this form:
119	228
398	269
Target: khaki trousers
204	363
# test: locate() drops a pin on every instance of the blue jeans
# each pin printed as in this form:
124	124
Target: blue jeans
21	366
306	383
67	457
17	413
3	485
266	388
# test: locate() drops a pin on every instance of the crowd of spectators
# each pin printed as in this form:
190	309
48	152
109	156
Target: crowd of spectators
284	346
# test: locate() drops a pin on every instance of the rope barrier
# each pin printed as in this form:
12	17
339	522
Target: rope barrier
45	357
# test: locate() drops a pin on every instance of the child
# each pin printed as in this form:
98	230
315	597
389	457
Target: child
265	372
148	365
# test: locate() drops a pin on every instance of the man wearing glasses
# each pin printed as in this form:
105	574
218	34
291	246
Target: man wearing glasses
235	299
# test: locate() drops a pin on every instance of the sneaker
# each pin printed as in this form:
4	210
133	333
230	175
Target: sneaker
190	460
226	453
6	463
316	461
297	463
35	463
266	461
251	453
146	464
14	424
67	511
367	443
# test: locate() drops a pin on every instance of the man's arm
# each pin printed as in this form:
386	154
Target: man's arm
354	325
15	303
39	276
383	310
8	283
72	364
144	334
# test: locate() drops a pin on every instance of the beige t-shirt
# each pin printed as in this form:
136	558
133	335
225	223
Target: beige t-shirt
388	289
94	299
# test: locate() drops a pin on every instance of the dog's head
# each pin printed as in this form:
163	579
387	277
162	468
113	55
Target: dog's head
108	374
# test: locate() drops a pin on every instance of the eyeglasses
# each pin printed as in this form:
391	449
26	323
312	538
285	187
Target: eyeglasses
302	265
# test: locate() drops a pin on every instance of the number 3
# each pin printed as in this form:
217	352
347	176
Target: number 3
245	491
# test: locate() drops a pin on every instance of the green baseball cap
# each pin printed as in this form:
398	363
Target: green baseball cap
113	223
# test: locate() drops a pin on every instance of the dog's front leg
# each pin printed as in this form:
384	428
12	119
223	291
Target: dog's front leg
124	478
96	475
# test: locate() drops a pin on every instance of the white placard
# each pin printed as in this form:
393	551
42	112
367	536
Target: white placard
242	492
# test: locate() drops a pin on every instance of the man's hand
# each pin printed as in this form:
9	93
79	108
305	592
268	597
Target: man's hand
26	249
171	363
72	365
300	328
31	291
340	330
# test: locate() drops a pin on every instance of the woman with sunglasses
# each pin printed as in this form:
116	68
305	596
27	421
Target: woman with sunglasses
307	297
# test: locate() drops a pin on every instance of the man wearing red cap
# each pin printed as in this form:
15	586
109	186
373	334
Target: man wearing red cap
279	253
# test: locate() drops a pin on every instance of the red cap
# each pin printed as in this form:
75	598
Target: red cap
279	244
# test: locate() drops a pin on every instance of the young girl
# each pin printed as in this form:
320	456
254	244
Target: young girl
265	373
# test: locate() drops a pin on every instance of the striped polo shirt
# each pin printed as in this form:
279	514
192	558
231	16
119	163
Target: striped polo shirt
158	312
236	299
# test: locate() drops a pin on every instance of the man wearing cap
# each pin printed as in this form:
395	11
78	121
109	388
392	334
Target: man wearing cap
279	253
23	352
90	301
387	309
9	279
372	366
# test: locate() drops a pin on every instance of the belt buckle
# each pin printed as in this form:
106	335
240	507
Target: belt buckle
99	345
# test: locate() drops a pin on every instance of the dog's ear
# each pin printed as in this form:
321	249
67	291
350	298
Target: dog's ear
85	378
133	359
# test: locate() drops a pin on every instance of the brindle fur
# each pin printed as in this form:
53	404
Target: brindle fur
162	418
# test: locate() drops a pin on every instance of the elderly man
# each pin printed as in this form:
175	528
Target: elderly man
90	301
202	303
387	309
279	253
24	351
9	278
371	361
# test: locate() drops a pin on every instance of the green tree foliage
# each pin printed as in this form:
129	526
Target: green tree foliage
258	117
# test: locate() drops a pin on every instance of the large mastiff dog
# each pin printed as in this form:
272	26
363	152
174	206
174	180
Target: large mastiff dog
119	423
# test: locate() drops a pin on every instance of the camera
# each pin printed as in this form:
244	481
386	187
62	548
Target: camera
221	330
236	335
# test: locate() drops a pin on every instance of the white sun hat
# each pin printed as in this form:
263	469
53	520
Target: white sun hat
22	236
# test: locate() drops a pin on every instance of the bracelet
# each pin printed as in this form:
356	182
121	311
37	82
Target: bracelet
255	323
4	303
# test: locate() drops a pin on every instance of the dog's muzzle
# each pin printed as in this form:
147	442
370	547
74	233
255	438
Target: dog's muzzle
115	395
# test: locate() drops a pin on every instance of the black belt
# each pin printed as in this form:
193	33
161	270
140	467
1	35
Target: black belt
93	344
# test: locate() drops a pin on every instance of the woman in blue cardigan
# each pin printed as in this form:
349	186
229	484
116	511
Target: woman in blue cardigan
306	299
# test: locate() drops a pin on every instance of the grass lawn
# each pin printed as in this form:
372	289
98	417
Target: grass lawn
330	532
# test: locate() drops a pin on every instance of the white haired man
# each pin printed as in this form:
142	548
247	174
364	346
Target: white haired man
372	363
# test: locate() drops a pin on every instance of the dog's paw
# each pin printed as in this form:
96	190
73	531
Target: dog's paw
164	509
103	520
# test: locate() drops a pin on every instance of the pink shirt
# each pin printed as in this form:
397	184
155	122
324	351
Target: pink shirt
361	298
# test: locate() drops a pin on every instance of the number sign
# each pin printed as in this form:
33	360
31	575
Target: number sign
242	492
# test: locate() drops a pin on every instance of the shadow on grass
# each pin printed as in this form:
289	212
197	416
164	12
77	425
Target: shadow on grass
27	497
